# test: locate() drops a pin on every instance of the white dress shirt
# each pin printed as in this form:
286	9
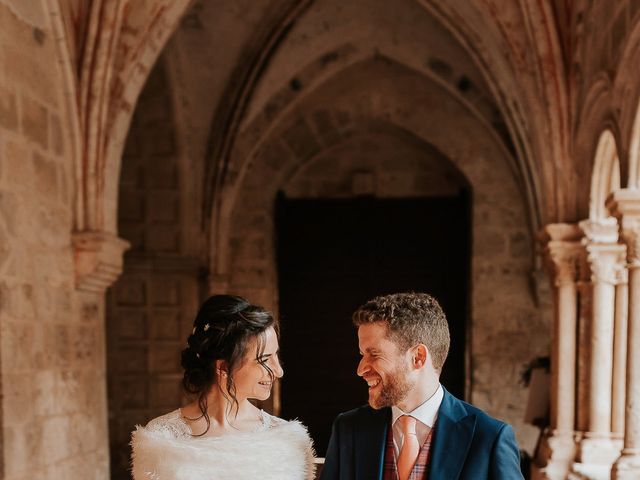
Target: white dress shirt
425	414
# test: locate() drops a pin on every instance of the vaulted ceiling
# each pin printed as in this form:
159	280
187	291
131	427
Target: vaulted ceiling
525	68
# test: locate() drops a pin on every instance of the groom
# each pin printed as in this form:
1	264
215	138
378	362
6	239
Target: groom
413	429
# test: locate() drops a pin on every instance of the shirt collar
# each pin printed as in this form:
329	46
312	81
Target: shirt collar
426	413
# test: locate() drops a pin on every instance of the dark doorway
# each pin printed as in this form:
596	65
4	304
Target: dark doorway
333	255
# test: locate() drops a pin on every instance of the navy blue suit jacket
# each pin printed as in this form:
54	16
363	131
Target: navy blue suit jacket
467	445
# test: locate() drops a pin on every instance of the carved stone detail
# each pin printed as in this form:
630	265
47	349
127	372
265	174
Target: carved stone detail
625	206
631	236
605	256
622	274
563	252
98	260
607	262
601	231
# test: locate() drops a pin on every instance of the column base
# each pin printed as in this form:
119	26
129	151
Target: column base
591	472
555	456
627	467
596	456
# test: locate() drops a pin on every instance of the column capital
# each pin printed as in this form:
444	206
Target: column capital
607	262
563	251
605	256
600	231
624	204
98	259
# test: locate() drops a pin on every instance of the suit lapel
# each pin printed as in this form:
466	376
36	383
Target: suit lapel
370	443
452	439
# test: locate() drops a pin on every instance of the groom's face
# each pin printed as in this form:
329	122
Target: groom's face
383	366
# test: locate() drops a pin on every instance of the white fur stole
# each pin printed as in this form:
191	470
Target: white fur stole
282	452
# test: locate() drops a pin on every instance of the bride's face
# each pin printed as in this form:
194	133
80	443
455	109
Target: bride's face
252	379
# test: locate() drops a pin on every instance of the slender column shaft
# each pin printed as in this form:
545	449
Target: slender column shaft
601	359
566	357
632	424
620	358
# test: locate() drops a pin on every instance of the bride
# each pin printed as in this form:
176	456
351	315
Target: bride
230	358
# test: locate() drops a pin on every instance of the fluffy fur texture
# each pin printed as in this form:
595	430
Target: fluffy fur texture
283	452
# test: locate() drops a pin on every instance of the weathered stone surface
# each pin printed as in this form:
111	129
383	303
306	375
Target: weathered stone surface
17	168
163	207
133	325
162	239
301	140
8	109
165	292
131	292
46	176
34	121
57	136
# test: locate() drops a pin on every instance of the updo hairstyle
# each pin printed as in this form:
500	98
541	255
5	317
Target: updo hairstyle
222	330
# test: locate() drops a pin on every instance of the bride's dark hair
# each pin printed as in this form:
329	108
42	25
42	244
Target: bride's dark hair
223	328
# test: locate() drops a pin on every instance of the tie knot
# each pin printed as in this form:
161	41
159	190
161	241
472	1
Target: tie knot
408	424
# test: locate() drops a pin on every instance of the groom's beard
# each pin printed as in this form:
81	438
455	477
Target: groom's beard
393	389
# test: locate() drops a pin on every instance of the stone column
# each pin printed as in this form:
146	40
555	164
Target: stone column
625	205
562	251
605	258
98	263
620	354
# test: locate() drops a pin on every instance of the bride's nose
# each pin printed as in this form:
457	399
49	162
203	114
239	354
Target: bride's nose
277	368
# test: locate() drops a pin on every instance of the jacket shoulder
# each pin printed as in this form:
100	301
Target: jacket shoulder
365	412
484	421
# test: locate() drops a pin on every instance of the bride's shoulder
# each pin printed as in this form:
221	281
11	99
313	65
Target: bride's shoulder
269	420
170	424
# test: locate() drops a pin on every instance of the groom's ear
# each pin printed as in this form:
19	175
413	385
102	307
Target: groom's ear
420	355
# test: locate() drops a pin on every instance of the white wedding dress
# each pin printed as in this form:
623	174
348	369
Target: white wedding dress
166	450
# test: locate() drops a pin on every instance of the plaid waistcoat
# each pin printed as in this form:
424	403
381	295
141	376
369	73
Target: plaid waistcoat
420	469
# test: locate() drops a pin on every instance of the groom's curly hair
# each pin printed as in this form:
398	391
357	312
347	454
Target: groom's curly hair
411	318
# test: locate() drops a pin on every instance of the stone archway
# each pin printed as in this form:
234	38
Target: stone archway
507	327
605	177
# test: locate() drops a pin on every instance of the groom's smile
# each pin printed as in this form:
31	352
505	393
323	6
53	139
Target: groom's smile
372	383
382	366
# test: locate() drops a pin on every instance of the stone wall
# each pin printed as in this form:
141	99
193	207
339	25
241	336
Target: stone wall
52	340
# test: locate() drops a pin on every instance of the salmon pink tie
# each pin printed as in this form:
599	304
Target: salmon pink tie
410	446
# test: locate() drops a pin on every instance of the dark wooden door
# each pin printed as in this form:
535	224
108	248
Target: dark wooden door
333	255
